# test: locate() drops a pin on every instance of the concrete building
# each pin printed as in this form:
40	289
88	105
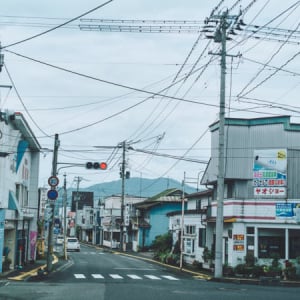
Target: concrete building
19	173
193	224
110	214
261	195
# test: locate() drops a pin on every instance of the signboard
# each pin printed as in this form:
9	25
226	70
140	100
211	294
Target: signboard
238	242
288	210
270	172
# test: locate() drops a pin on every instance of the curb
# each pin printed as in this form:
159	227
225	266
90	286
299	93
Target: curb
197	275
38	271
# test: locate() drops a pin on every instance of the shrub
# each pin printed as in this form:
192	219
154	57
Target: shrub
207	255
250	260
162	246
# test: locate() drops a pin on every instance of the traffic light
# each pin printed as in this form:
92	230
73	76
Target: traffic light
96	165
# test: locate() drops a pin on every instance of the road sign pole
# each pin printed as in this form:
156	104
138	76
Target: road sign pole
51	221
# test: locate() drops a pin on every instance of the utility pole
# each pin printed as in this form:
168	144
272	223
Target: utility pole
52	206
78	179
65	217
220	37
182	223
122	193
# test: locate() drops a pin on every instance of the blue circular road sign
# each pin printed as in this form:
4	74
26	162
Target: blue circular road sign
52	194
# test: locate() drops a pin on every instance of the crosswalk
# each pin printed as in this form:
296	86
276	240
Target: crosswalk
120	277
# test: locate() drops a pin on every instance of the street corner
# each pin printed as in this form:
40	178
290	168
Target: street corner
24	275
32	271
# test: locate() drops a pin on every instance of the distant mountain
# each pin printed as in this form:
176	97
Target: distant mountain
141	187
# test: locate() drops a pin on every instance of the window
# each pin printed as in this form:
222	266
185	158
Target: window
230	189
189	246
250	230
271	242
22	195
294	243
198	204
202	237
106	236
190	229
250	240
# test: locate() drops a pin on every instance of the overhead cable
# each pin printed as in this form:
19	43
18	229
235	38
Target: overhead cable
58	26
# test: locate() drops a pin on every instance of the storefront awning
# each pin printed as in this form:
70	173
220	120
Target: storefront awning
13	203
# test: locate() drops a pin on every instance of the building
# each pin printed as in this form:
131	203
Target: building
19	170
83	207
193	226
261	192
110	214
152	218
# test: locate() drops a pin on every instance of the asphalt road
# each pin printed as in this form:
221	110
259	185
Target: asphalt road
94	274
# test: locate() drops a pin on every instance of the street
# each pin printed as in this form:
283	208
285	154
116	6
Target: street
96	274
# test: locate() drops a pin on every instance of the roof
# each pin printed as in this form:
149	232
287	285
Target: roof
188	212
200	194
285	120
20	123
167	196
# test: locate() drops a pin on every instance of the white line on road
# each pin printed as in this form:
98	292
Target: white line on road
139	269
97	276
152	277
79	276
132	276
115	276
170	277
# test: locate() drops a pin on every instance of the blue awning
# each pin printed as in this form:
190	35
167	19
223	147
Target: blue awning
13	203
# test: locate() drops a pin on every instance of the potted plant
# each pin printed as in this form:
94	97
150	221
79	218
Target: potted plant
207	256
290	270
6	263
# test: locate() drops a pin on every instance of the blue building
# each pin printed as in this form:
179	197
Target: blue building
151	217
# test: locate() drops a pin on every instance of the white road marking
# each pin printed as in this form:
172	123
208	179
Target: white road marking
115	276
79	276
97	276
170	277
153	277
132	276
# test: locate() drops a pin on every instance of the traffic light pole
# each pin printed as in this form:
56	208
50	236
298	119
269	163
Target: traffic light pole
51	220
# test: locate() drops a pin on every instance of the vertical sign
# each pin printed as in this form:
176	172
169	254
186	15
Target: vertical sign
270	173
2	222
238	242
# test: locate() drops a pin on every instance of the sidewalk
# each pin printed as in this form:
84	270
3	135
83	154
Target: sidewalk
37	269
206	275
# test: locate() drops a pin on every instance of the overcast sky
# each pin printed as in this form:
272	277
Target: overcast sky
111	98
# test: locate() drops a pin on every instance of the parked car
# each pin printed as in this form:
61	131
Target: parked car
60	239
73	244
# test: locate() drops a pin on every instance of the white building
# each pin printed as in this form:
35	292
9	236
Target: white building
19	172
111	220
193	223
261	199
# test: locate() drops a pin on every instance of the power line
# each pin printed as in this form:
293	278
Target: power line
58	26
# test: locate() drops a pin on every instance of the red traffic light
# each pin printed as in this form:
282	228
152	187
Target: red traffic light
96	165
103	166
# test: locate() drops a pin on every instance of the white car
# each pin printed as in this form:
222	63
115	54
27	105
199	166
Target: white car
60	239
73	244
